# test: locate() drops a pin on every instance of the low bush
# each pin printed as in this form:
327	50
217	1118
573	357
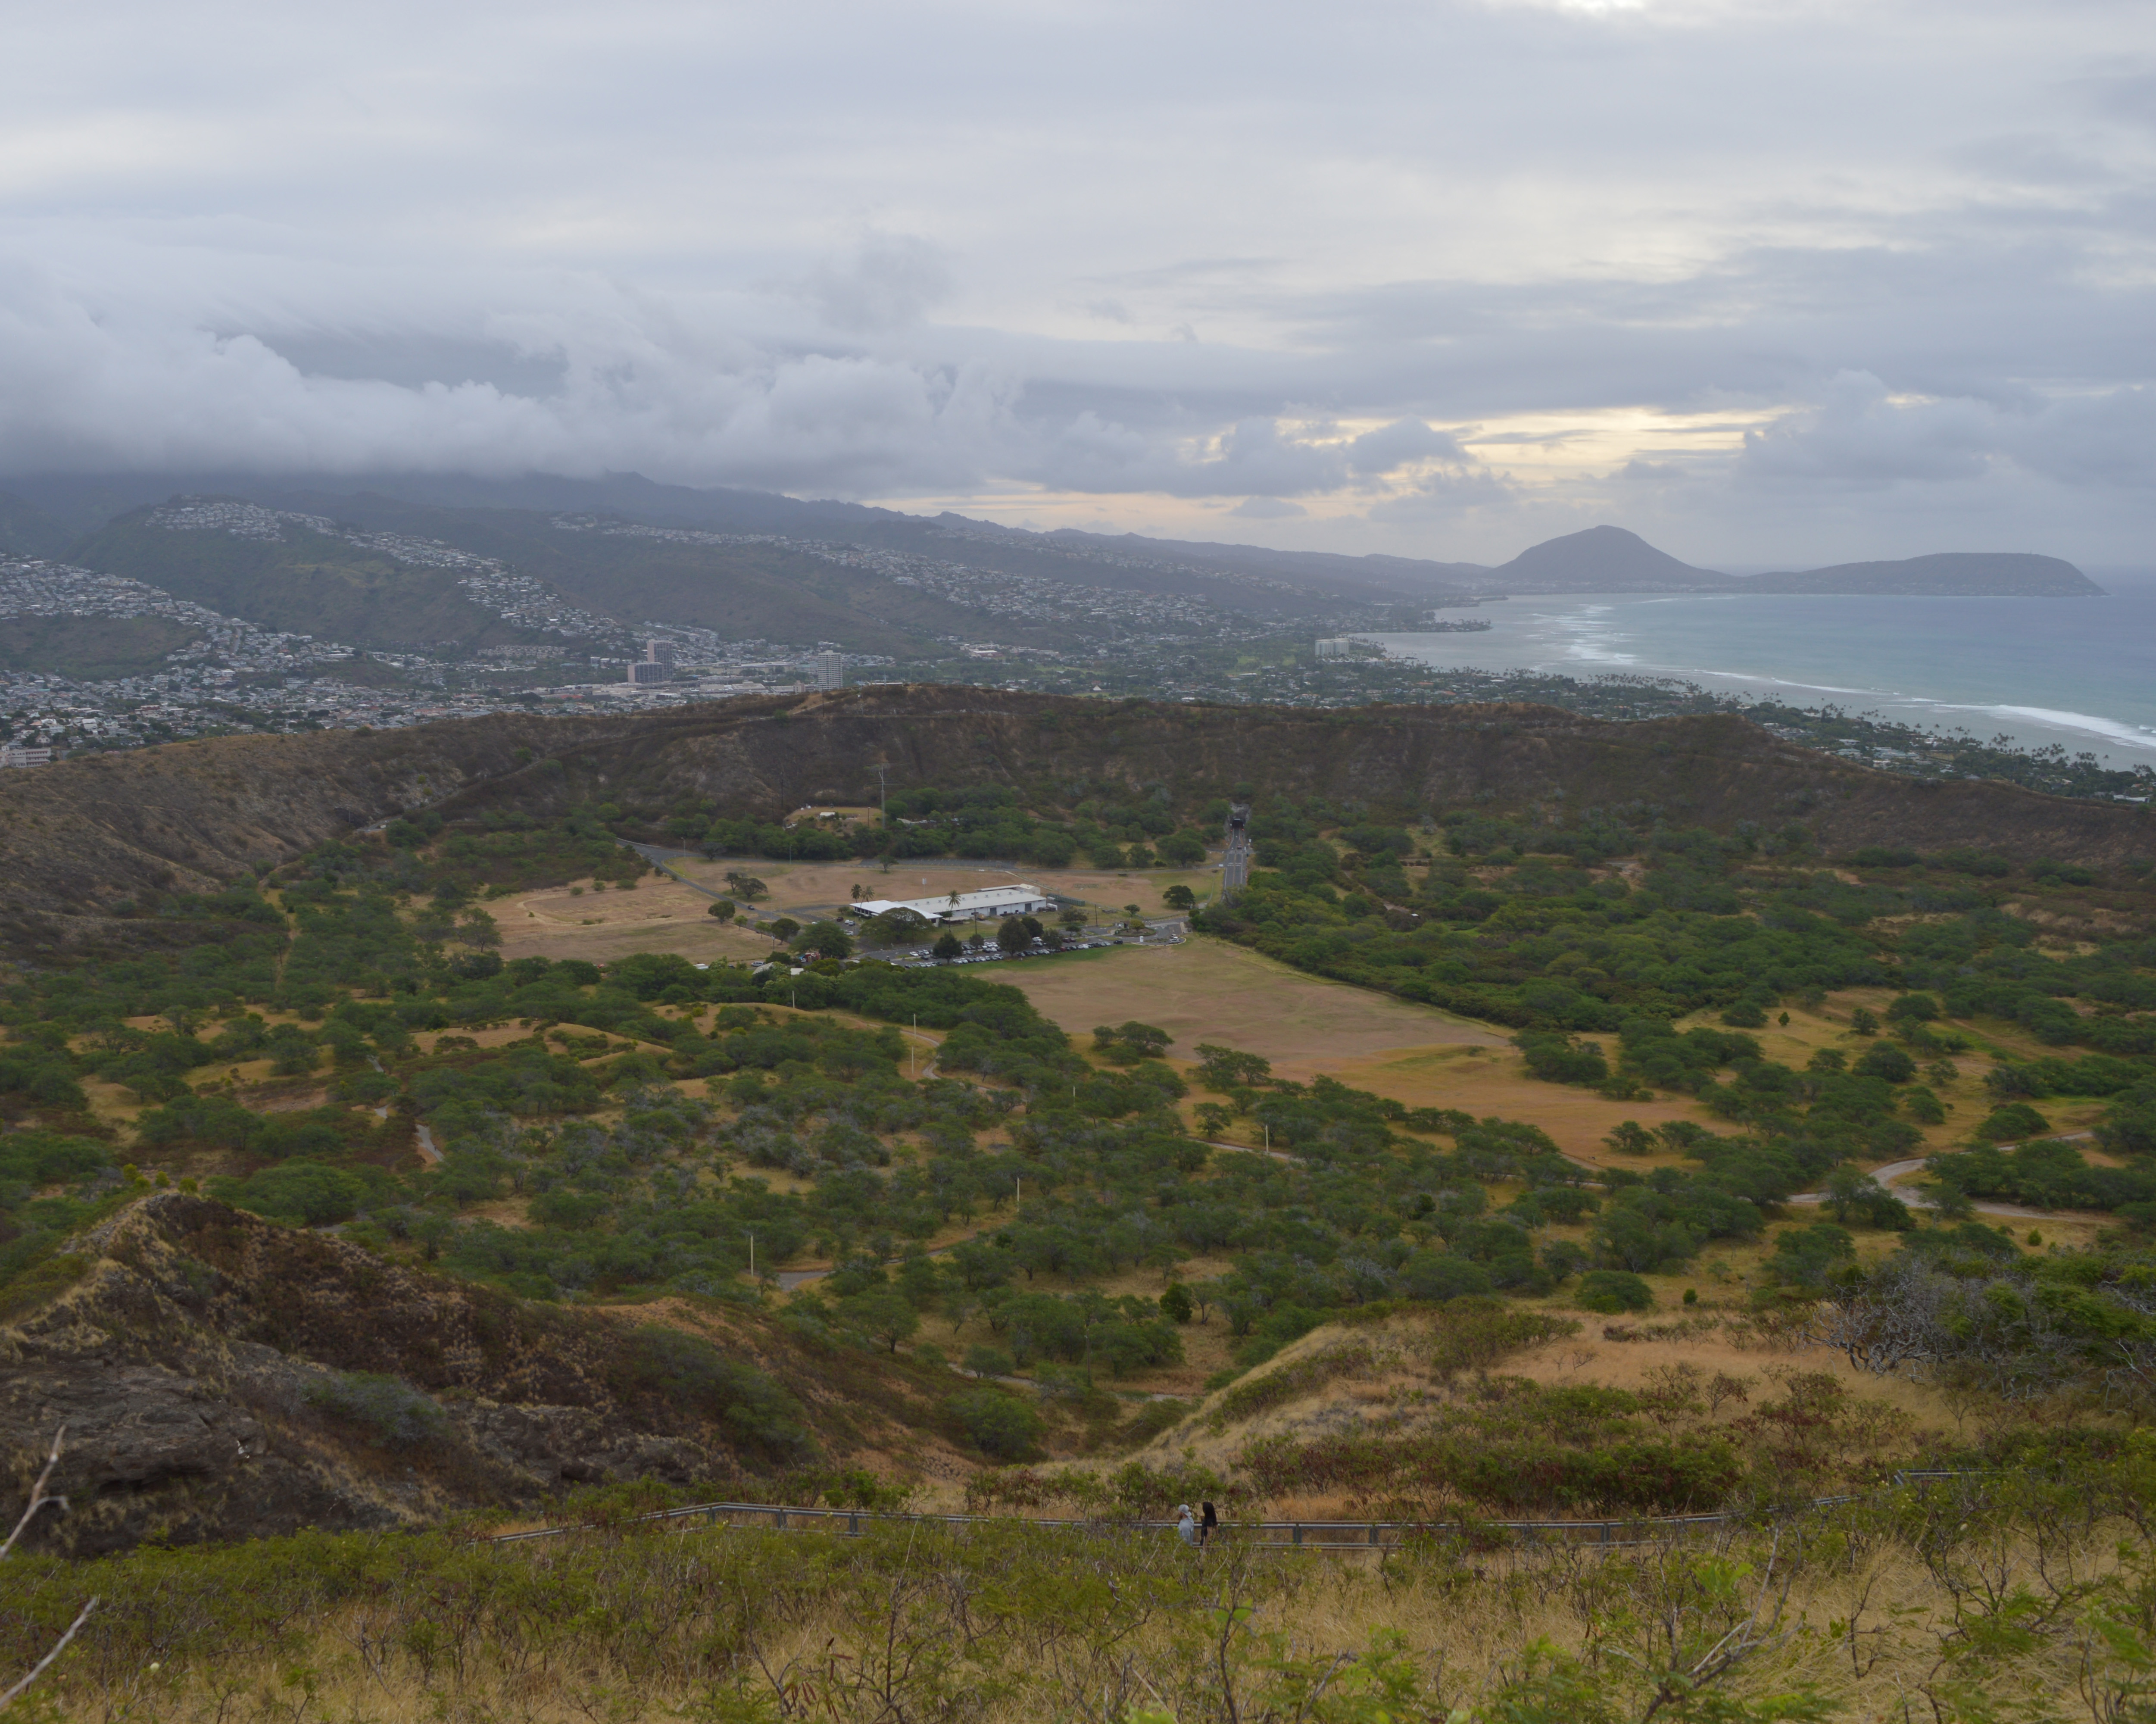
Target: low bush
1611	1291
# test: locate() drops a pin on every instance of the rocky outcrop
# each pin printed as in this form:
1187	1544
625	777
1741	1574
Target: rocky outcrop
221	1376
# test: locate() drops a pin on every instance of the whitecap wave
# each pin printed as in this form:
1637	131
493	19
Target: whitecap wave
2110	729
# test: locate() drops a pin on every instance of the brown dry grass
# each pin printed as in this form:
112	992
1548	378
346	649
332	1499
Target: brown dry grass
1864	1623
1721	1341
1208	991
602	927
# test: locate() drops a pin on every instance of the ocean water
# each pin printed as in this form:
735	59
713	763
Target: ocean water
2081	672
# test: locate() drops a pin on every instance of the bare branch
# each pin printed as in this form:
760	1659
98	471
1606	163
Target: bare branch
38	1495
39	1669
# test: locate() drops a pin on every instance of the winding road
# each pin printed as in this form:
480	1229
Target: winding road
1892	1170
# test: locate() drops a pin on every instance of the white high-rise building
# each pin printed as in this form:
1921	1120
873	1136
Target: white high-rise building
830	671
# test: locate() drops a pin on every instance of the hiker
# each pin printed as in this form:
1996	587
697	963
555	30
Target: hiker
1186	1529
1207	1520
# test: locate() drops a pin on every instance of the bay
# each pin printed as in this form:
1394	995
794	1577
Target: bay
2077	672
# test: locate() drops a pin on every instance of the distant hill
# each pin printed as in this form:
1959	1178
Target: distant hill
1603	559
744	592
1951	574
307	583
27	530
91	647
778	595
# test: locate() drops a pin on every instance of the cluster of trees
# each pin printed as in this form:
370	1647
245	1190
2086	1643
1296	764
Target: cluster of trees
985	821
1524	925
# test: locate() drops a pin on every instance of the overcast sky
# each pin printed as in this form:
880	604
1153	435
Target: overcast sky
1769	283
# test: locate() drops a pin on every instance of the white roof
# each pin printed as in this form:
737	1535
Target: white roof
991	900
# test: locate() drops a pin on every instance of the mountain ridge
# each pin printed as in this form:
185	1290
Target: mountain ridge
85	834
1288	588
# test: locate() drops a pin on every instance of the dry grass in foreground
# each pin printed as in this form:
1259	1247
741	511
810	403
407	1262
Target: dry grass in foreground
1973	1598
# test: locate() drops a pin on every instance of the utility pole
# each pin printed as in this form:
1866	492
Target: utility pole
883	793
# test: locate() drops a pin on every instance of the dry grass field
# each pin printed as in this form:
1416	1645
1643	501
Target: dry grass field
601	926
1209	990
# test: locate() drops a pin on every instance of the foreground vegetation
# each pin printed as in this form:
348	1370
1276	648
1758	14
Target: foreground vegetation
2026	1596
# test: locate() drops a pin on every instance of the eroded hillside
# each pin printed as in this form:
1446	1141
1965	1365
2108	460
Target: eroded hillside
221	1376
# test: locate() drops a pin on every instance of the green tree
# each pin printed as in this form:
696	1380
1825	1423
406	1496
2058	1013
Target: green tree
948	945
725	909
1223	1068
1179	896
826	939
1182	849
989	1361
881	1315
894	927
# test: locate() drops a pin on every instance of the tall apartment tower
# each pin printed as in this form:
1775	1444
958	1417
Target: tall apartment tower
657	664
830	671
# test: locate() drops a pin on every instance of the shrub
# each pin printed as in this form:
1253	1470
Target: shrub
41	1283
686	1369
1440	1275
999	1425
1611	1291
2016	1120
398	1414
308	1191
1886	1061
1560	1059
1475	1334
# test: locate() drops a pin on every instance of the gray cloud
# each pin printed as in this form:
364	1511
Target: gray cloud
1885	270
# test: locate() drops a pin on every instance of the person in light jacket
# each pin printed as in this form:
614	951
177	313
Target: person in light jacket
1186	1528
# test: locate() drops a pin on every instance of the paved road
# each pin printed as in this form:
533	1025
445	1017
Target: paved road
1901	1170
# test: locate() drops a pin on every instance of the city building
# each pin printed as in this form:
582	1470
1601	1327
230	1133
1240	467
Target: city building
830	671
657	664
992	905
1335	649
14	757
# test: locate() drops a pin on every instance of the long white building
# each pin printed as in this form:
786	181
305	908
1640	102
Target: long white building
993	903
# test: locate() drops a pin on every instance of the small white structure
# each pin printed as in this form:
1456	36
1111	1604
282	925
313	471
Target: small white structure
830	671
992	905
